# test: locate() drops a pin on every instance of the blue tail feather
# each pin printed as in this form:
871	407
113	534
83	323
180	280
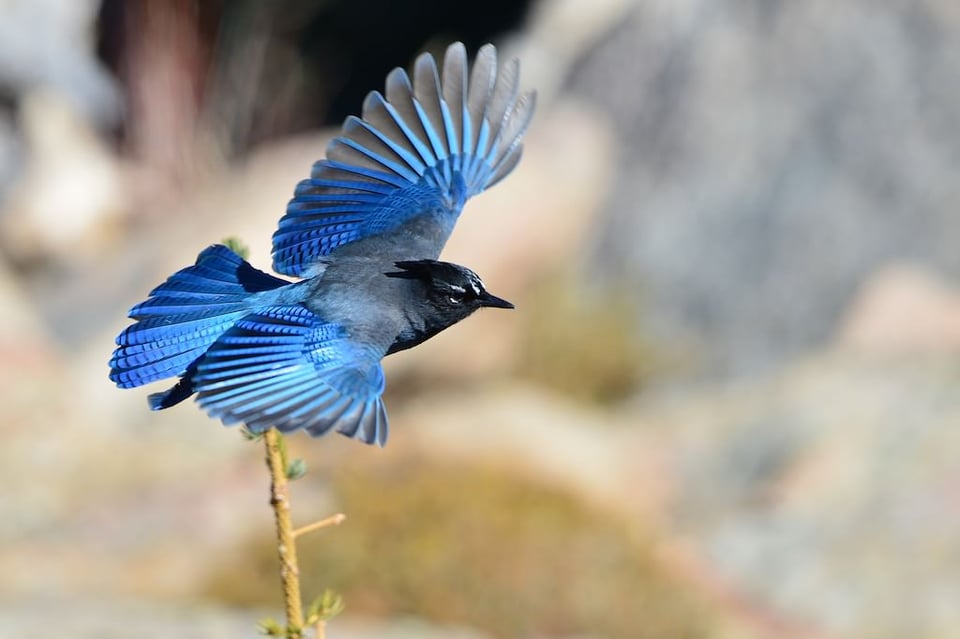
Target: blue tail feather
183	317
129	373
181	328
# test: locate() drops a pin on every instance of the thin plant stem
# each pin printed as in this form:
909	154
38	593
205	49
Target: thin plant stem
286	544
332	520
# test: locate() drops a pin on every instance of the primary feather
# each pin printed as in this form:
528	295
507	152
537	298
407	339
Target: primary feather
419	151
283	366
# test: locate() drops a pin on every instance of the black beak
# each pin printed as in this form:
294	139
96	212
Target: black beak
493	301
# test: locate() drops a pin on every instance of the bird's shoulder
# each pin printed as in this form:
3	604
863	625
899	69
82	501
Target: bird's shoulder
354	291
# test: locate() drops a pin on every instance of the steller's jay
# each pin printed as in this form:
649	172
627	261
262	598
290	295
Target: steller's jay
364	231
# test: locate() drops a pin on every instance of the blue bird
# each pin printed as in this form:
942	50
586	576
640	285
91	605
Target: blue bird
364	232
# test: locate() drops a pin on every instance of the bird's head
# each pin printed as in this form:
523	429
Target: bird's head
452	292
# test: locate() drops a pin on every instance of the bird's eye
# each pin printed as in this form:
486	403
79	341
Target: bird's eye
456	299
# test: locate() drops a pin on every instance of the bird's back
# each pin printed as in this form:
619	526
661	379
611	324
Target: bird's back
355	292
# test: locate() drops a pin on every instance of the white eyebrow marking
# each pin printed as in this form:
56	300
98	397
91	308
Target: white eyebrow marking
458	289
476	284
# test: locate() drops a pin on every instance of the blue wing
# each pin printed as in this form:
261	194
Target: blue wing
283	366
421	150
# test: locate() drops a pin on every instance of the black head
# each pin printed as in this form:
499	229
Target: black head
450	285
449	293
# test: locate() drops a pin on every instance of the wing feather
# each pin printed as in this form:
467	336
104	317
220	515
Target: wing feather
419	150
283	366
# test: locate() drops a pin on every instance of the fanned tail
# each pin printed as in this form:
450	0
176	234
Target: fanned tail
182	318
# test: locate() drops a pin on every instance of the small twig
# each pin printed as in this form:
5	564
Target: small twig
332	520
286	546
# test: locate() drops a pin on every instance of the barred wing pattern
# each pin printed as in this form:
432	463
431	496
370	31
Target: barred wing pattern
183	316
423	148
283	366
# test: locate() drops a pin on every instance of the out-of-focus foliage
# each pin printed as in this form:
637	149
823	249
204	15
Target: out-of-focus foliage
585	343
480	546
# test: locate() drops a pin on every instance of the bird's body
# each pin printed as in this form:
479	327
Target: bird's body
366	281
365	230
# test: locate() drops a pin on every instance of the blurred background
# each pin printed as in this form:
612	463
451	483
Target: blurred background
725	407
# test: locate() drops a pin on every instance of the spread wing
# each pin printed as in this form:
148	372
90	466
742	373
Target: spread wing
283	366
419	151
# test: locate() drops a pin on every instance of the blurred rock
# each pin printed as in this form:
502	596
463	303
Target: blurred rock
21	327
29	363
903	310
771	156
558	34
826	496
50	43
70	190
11	152
598	454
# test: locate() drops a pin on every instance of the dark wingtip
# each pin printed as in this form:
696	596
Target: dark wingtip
172	396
